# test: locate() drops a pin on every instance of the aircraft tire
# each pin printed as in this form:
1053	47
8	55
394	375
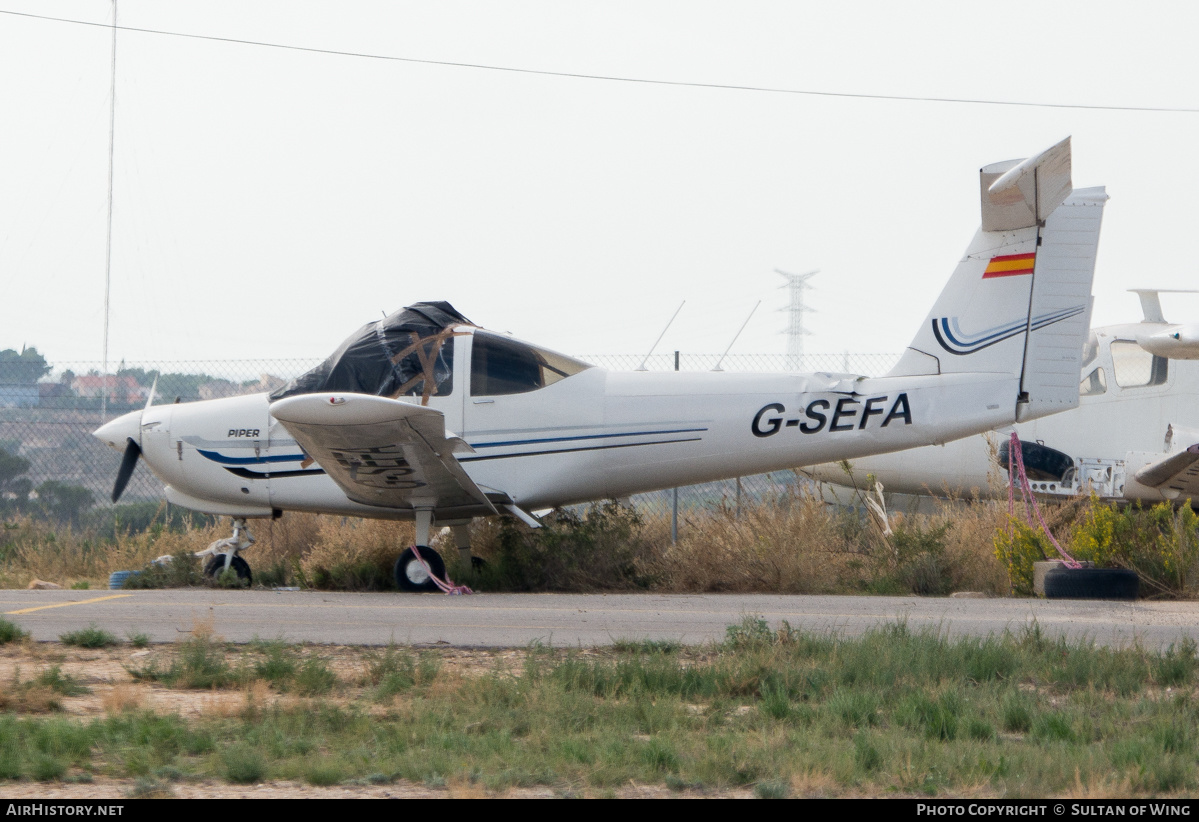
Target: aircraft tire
1091	583
240	567
411	576
1041	463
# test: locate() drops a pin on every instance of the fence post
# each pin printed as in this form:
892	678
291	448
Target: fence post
674	505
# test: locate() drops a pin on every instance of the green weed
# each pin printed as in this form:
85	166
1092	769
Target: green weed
752	631
278	663
314	677
10	631
772	789
89	637
242	764
54	679
200	664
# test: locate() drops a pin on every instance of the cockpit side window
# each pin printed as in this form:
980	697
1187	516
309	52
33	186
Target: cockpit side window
1093	384
502	366
1090	349
1135	367
425	368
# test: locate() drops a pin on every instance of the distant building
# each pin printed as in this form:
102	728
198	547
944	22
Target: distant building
266	384
18	396
121	390
219	389
53	391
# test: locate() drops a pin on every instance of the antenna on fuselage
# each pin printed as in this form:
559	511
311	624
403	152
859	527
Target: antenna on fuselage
735	336
153	390
660	336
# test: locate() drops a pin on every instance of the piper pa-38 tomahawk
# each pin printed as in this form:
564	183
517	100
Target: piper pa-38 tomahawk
425	416
1139	381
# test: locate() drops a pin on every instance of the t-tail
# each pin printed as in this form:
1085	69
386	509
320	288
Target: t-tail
1019	302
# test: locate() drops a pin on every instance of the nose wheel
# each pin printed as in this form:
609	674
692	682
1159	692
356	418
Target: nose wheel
216	566
413	576
222	554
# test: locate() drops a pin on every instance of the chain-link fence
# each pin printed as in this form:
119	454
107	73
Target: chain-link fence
48	424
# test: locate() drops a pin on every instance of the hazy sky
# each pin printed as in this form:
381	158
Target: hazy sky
268	200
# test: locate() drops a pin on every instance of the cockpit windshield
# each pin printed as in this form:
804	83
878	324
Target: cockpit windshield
500	365
407	354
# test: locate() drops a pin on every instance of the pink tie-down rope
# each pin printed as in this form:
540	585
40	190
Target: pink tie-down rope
448	586
1015	461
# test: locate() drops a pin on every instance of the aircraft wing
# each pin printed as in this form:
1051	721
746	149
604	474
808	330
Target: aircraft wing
381	451
1176	475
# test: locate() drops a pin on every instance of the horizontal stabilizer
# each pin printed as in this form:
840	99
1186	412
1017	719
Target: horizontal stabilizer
1151	304
1023	193
1175	476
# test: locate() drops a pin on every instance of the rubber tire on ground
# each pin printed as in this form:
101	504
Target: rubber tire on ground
239	566
410	575
1091	583
116	580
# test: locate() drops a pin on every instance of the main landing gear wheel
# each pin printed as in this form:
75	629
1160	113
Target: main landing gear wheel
1091	583
411	575
216	565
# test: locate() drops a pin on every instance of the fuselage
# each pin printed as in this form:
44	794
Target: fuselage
594	434
1129	399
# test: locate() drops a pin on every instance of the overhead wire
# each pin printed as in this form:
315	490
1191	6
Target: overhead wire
608	77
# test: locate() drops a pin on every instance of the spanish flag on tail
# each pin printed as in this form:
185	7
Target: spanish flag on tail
1010	265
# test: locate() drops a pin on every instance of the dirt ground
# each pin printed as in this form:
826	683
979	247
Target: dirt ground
112	688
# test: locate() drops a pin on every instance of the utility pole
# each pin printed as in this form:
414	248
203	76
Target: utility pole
797	283
112	131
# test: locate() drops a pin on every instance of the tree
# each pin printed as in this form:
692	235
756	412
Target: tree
64	503
14	488
11	468
25	368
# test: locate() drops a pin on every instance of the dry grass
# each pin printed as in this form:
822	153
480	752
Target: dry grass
297	548
795	543
790	543
123	698
36	550
355	554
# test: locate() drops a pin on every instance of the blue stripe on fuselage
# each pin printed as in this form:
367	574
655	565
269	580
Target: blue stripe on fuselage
223	460
586	437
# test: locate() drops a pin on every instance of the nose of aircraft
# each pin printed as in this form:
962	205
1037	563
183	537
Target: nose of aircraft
116	433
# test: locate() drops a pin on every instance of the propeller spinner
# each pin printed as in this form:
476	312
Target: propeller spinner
126	430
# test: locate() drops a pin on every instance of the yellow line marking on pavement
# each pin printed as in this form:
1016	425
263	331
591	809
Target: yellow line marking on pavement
65	604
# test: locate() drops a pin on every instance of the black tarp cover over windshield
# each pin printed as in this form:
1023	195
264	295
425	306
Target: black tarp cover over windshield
408	353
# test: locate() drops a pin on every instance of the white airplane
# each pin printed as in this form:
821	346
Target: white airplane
1139	381
368	432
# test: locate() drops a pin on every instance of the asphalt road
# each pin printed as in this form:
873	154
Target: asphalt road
514	620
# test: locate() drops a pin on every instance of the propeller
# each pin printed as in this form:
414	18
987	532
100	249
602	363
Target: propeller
128	463
132	452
